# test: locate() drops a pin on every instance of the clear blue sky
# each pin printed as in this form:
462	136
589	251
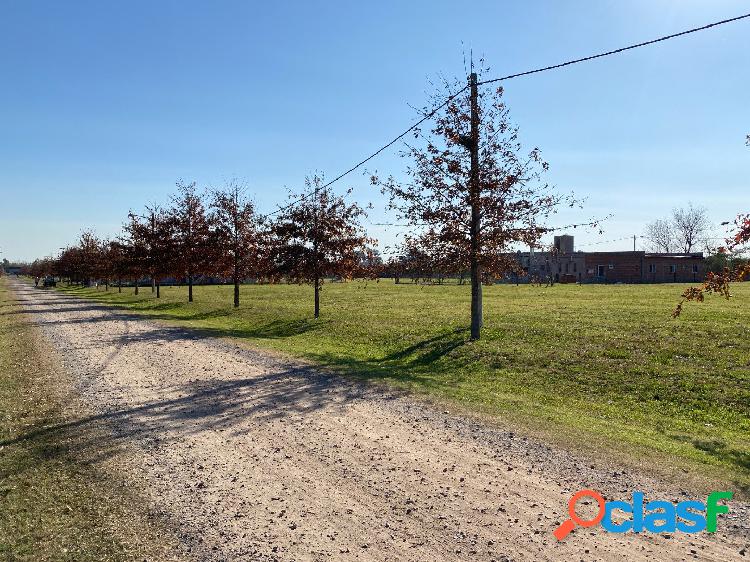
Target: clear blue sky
103	105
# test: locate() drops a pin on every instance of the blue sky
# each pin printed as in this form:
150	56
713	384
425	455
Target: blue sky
104	105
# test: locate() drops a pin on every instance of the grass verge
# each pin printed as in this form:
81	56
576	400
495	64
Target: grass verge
601	366
57	503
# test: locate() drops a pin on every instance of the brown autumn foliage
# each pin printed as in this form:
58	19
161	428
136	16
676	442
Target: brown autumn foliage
242	244
319	237
190	232
117	262
512	199
719	283
151	243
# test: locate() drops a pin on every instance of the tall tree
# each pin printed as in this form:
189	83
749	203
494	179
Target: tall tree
90	262
239	237
191	235
135	245
691	227
118	262
686	230
660	236
318	236
152	242
479	207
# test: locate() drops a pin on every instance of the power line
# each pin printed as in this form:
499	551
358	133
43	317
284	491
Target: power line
615	51
605	241
450	98
378	151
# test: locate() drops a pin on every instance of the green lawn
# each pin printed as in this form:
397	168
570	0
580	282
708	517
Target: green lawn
603	366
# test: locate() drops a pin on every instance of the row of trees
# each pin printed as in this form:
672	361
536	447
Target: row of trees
471	195
219	234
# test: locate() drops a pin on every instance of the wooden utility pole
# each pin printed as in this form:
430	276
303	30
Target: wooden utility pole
237	243
634	236
152	222
475	201
316	262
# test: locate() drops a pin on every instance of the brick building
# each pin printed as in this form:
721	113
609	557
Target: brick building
564	264
643	267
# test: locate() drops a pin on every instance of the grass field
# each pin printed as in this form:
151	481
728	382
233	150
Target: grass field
599	365
55	502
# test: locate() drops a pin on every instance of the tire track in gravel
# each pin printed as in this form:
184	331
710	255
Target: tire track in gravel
253	457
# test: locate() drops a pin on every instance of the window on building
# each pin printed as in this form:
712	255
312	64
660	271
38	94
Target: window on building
611	266
652	268
575	267
695	268
672	269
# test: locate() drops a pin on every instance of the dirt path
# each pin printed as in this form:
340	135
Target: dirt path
250	457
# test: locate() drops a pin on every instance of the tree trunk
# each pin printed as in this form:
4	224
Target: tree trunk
153	284
236	293
119	285
158	291
190	288
317	297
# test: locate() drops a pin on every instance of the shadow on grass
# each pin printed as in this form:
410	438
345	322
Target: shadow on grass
718	449
418	365
292	391
430	350
411	362
64	302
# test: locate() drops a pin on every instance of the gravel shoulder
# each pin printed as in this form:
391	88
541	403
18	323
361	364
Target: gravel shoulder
249	456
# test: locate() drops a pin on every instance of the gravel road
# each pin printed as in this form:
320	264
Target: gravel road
248	456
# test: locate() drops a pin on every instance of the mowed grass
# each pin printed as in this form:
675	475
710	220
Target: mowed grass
604	366
55	502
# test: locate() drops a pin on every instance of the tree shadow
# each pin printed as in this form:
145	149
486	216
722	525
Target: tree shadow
416	364
275	329
223	401
202	405
718	449
429	350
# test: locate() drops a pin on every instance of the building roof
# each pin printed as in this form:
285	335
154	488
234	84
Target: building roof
693	255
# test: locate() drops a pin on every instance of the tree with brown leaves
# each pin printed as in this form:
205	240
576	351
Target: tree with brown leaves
89	262
477	217
719	283
117	259
318	236
152	243
241	243
191	235
135	247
